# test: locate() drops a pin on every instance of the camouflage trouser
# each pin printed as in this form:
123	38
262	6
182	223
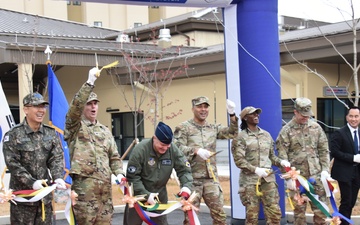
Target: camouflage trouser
213	197
21	214
300	210
131	217
270	201
94	204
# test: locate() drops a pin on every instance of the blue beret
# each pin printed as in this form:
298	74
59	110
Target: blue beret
164	133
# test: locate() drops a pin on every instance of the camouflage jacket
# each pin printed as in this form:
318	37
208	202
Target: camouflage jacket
304	146
149	172
30	156
190	136
252	150
93	151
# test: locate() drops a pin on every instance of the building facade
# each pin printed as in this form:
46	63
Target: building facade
197	53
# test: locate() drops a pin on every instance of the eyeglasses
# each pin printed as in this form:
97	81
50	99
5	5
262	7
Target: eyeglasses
41	106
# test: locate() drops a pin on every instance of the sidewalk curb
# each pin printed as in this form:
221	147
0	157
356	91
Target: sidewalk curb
60	215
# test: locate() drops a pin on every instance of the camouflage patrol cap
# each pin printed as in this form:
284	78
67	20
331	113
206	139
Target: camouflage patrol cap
249	110
200	100
92	97
34	99
303	106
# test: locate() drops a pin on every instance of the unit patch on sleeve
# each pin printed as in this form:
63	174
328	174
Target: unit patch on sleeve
131	169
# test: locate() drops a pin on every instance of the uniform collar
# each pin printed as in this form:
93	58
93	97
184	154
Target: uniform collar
28	129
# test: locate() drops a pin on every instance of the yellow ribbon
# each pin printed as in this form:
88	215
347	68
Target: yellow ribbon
258	192
113	64
42	202
289	199
159	206
211	170
42	210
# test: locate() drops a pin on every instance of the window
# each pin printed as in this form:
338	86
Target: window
287	110
330	113
68	2
137	24
76	2
97	23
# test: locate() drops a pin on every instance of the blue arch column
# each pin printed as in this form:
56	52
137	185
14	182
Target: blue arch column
254	25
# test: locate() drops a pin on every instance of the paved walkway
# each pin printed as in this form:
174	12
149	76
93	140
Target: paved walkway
175	218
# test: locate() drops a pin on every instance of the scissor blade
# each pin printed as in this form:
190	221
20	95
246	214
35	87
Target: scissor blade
215	153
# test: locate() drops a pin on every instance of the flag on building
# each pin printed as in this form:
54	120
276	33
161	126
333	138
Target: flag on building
58	109
6	122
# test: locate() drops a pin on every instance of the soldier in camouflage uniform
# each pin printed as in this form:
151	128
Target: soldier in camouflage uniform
304	144
32	150
149	168
94	157
197	139
253	152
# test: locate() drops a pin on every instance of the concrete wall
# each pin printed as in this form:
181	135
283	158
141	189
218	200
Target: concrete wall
49	8
297	81
113	16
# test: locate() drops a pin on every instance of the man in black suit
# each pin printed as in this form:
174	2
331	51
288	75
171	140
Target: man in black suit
345	151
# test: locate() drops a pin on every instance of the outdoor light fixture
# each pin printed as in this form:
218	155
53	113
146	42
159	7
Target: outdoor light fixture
164	38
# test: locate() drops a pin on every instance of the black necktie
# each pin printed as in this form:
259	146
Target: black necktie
356	143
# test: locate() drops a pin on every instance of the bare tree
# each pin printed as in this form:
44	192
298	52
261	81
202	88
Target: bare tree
147	74
354	26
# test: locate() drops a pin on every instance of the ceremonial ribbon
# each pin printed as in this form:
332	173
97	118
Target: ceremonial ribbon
258	192
193	218
2	178
156	206
135	202
36	195
310	193
211	170
336	214
258	183
289	199
190	209
69	213
209	165
306	187
113	64
291	173
143	215
7	196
